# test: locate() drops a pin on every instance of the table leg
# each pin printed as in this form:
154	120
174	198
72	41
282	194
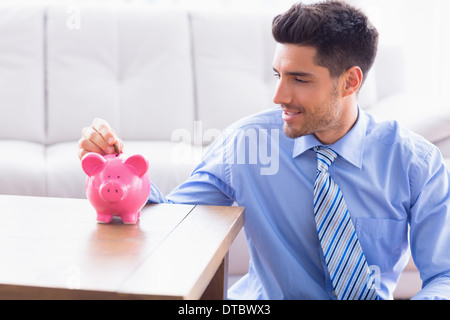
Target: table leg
217	288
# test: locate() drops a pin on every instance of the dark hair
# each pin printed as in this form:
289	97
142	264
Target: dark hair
341	34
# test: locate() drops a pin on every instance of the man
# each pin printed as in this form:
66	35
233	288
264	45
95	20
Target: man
331	222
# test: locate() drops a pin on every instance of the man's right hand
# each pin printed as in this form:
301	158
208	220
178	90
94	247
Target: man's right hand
99	138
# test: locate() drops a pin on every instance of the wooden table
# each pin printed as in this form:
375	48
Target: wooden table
53	248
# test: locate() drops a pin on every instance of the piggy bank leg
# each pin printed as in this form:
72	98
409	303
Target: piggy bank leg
104	217
130	218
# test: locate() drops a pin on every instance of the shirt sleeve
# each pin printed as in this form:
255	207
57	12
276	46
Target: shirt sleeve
430	226
207	185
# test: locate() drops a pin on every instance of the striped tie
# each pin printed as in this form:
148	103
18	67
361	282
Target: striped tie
349	272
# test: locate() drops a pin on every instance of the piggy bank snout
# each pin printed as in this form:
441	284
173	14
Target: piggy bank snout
112	191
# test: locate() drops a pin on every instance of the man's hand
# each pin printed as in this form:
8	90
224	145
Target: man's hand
99	138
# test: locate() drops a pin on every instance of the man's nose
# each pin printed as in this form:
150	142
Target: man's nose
282	93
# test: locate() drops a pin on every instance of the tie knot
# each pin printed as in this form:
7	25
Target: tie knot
325	157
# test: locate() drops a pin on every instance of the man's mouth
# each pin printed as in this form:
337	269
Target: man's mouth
290	115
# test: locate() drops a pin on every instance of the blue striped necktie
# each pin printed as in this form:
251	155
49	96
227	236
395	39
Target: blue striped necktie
349	272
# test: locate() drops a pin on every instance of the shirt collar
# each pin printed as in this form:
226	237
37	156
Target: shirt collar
350	147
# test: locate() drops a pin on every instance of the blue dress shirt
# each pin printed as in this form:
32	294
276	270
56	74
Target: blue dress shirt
395	184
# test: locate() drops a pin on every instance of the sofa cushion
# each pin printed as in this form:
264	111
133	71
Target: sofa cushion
233	63
81	71
64	175
131	67
425	115
367	96
22	72
156	75
22	168
170	164
444	146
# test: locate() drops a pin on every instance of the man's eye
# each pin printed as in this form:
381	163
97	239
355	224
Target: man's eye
276	75
301	81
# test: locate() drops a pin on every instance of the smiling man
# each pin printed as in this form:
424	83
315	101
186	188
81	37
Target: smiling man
350	193
309	96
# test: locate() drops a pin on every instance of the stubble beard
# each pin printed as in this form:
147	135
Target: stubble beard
324	117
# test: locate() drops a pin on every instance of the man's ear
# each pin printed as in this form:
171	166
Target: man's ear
352	79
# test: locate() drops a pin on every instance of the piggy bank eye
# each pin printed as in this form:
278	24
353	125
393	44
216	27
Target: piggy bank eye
118	177
109	176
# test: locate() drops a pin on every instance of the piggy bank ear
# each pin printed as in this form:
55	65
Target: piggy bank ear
139	163
90	162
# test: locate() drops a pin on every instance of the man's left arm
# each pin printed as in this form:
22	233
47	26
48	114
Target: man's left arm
430	226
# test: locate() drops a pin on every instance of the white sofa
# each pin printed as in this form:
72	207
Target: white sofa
168	81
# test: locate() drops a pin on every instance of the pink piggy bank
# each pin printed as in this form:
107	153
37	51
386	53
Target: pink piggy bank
116	185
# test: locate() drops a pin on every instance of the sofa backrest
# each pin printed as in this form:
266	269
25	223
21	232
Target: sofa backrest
22	103
233	65
128	65
147	71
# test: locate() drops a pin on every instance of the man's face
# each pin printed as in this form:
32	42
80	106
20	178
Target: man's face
306	93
